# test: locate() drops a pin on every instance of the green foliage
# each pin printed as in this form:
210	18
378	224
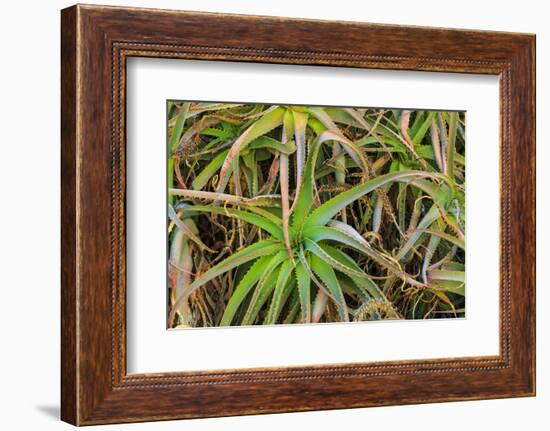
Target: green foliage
310	214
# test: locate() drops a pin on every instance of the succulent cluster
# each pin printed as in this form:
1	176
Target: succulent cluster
301	214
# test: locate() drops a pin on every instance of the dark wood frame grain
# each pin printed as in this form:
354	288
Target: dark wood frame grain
95	43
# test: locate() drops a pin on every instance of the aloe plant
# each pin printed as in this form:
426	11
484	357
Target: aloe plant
318	250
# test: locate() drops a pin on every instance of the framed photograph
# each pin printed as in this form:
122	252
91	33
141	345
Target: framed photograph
265	215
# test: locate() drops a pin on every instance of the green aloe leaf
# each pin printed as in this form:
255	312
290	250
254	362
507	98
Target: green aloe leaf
366	285
451	144
431	216
305	198
173	143
300	126
266	123
341	116
285	272
245	216
178	127
333	133
447	237
439	274
419	135
208	171
451	281
293	309
246	284
329	279
259	249
265	286
200	108
273	144
182	226
453	266
449	286
181	267
303	281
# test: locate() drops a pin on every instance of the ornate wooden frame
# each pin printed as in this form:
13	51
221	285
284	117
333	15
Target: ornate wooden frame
95	43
